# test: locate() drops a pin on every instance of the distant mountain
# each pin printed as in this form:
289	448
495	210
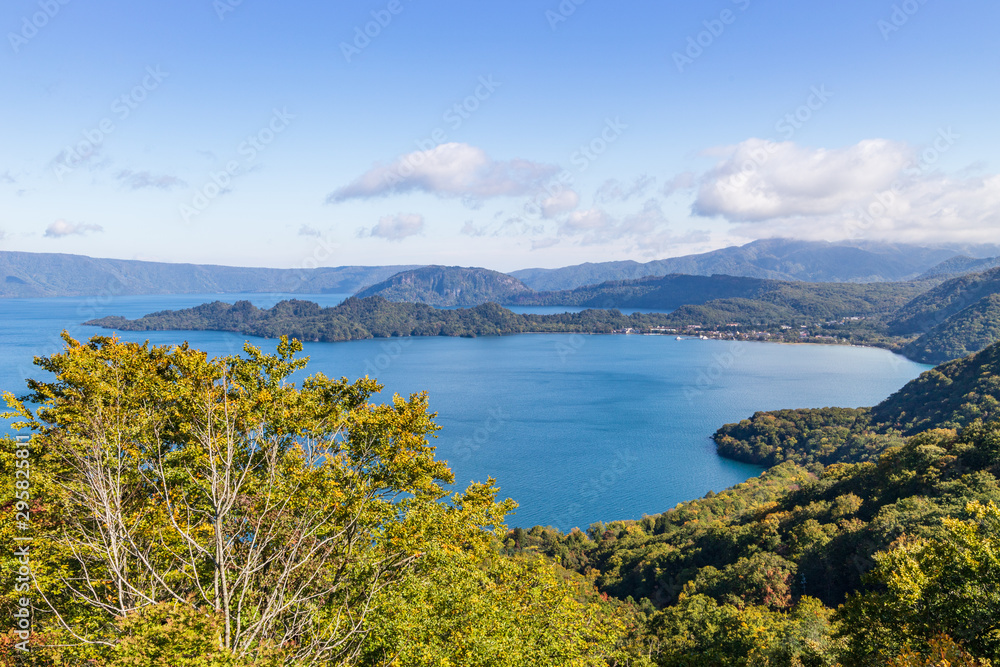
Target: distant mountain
448	286
776	259
965	332
957	266
24	274
931	309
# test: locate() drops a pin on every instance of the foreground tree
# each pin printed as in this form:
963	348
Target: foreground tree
934	593
196	512
217	483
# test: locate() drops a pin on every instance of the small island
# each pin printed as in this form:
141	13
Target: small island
377	317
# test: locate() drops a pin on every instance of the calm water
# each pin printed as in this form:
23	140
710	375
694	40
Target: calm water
577	429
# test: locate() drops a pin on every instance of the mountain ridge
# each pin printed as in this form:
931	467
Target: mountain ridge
30	275
776	259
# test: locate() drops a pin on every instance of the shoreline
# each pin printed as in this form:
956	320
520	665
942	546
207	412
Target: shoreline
556	333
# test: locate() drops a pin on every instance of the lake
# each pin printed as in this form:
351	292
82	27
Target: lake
577	429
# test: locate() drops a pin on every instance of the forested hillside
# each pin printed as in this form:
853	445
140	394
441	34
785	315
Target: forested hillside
963	333
961	265
448	286
952	395
938	304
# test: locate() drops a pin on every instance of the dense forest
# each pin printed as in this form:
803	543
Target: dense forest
196	512
375	317
965	332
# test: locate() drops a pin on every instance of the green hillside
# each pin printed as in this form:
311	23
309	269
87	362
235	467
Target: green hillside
929	310
952	395
448	286
963	333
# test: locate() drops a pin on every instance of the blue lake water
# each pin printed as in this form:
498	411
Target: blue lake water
576	429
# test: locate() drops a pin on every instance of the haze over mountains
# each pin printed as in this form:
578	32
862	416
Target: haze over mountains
776	259
44	274
24	274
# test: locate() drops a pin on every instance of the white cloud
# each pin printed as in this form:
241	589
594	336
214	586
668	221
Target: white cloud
562	202
61	228
5	177
876	189
647	231
396	227
138	180
762	180
306	230
448	170
541	244
592	220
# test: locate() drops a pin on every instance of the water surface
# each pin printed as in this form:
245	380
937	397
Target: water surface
577	429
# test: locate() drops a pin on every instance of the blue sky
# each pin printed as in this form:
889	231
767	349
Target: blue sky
266	134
